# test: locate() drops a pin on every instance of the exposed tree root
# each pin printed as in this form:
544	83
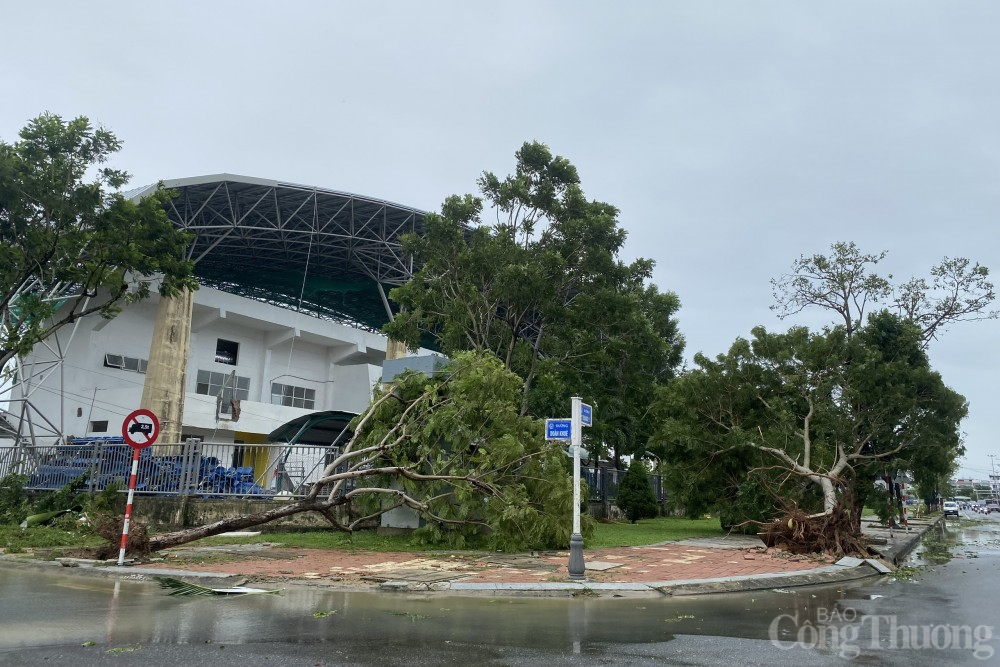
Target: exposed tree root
800	533
110	528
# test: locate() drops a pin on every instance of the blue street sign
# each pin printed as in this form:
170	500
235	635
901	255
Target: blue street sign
558	429
586	415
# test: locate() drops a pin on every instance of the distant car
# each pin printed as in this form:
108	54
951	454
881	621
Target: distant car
992	506
950	508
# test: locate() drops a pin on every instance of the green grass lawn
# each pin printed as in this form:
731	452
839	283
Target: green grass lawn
651	531
14	539
646	531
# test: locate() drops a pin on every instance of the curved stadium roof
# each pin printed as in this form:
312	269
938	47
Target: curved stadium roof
332	254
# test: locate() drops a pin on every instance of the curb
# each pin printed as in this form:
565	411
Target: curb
832	574
845	572
78	566
903	546
820	576
685	587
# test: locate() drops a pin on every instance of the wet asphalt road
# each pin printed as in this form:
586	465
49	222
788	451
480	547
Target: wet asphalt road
940	616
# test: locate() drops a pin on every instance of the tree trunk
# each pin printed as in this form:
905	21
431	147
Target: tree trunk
176	538
829	493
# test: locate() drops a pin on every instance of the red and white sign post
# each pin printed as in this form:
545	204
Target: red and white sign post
140	430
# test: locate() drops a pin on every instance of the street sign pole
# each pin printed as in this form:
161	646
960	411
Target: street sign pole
577	568
140	430
128	504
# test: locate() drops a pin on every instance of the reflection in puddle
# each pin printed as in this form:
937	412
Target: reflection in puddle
126	612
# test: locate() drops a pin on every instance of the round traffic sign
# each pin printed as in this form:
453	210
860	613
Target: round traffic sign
140	428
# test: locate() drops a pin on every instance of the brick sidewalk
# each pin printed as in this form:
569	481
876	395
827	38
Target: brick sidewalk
667	562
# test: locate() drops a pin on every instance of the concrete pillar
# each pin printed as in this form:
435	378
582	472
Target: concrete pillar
395	349
166	372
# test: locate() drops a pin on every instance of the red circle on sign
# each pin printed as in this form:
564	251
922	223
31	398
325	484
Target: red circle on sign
140	429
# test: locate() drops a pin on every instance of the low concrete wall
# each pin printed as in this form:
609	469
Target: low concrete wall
175	513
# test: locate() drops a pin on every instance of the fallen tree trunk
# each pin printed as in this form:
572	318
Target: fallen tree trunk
178	537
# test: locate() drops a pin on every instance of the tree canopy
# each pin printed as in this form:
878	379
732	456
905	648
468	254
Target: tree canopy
807	419
542	287
812	414
453	448
70	243
844	282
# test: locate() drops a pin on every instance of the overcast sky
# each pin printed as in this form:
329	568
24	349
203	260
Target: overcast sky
734	137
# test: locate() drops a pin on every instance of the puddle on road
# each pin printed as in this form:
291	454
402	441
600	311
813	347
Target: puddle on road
965	538
69	610
137	613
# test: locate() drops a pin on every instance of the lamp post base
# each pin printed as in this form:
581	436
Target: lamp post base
577	569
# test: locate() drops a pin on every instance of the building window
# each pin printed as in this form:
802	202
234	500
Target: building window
230	386
296	397
99	427
226	351
125	363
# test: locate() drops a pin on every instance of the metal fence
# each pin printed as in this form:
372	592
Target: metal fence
602	483
192	467
211	470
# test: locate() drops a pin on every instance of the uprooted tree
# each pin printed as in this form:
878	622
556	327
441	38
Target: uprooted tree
846	285
454	448
541	299
799	424
807	414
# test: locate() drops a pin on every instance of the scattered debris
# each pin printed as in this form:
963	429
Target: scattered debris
42	519
180	587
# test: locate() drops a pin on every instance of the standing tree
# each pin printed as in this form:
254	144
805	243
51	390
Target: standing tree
635	495
543	289
69	246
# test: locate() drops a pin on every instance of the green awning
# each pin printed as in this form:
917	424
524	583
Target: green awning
318	428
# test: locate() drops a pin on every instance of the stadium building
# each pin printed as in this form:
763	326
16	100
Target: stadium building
281	343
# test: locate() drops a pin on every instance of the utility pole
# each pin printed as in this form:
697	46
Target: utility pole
993	476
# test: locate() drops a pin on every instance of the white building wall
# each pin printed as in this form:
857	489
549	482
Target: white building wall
275	345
